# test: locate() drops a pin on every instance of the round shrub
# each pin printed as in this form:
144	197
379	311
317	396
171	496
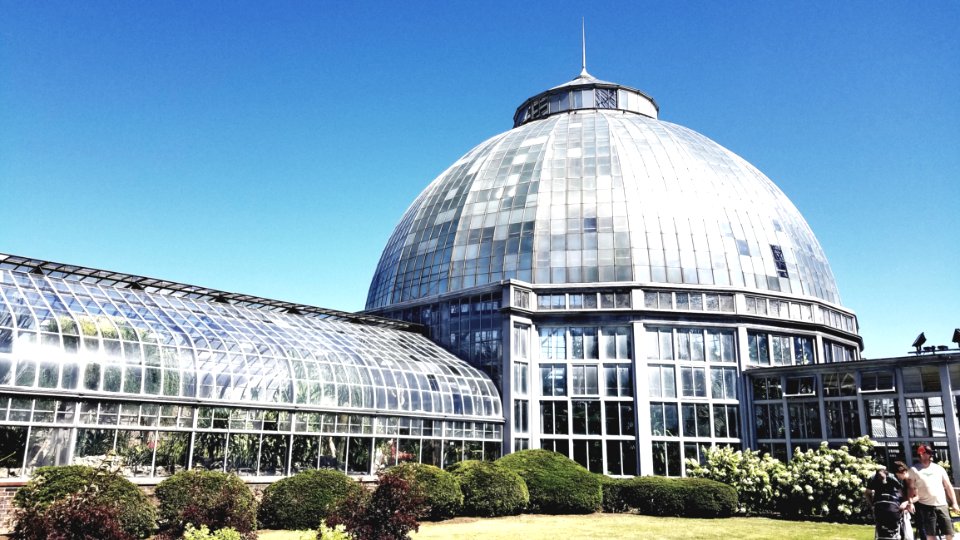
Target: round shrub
212	498
490	489
76	516
439	489
137	516
687	497
305	499
557	484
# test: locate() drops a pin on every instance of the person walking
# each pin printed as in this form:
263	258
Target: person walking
933	491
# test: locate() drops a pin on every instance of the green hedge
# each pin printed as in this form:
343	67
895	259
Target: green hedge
490	489
557	484
442	496
212	498
137	515
305	499
687	497
613	494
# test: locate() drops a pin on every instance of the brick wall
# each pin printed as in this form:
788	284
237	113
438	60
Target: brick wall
7	492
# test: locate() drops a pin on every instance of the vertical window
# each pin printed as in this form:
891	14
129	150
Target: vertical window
693	381
696	419
553	417
726	423
802	350
585	380
759	351
723	383
553	343
661	381
618	381
520	383
586	417
666	458
769	420
521	416
883	417
521	341
553	380
664	421
843	419
619	418
805	420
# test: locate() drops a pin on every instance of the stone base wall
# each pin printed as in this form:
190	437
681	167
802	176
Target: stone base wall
7	492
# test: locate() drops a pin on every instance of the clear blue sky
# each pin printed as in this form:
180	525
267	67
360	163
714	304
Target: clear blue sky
270	147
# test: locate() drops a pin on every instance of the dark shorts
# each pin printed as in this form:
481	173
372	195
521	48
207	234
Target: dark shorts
934	519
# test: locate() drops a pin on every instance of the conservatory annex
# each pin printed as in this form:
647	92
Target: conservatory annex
155	377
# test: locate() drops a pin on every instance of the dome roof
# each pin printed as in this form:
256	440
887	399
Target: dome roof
591	187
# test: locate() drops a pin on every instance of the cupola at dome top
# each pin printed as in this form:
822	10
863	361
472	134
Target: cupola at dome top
585	93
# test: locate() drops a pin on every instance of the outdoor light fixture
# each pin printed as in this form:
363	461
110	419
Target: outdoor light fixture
956	337
917	343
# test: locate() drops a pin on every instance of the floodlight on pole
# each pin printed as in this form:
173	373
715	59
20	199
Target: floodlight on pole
917	343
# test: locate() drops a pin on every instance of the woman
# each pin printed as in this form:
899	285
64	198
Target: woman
889	497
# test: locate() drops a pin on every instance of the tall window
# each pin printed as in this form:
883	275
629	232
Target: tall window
883	417
553	380
553	343
585	380
723	383
618	380
661	381
693	381
843	419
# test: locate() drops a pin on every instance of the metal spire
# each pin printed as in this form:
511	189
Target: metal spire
583	47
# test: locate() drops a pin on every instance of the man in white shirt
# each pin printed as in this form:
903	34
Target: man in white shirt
932	491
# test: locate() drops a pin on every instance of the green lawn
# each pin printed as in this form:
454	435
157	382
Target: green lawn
613	526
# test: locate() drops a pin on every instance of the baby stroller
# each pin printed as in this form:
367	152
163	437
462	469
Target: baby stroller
886	505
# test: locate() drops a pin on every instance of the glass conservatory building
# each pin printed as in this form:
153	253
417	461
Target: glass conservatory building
155	377
617	276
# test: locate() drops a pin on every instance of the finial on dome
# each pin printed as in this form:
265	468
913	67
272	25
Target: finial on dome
583	48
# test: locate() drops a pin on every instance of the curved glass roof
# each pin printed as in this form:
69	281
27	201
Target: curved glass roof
595	195
64	335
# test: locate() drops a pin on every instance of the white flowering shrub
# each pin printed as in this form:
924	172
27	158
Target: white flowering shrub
827	484
823	483
331	533
749	473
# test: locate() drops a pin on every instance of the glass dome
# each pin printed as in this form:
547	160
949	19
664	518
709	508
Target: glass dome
591	187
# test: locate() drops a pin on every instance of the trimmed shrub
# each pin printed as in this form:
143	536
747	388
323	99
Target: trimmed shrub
613	494
440	490
212	498
556	483
490	489
390	513
137	516
77	517
687	497
305	499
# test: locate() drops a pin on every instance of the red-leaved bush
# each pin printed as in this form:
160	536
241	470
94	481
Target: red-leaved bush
77	517
389	513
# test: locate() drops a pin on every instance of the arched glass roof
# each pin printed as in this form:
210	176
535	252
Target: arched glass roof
588	194
75	334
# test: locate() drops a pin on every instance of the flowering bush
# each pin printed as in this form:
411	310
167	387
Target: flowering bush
827	483
823	483
204	533
750	474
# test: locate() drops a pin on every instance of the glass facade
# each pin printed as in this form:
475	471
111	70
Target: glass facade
636	269
162	379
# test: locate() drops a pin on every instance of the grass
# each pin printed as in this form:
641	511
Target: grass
614	526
